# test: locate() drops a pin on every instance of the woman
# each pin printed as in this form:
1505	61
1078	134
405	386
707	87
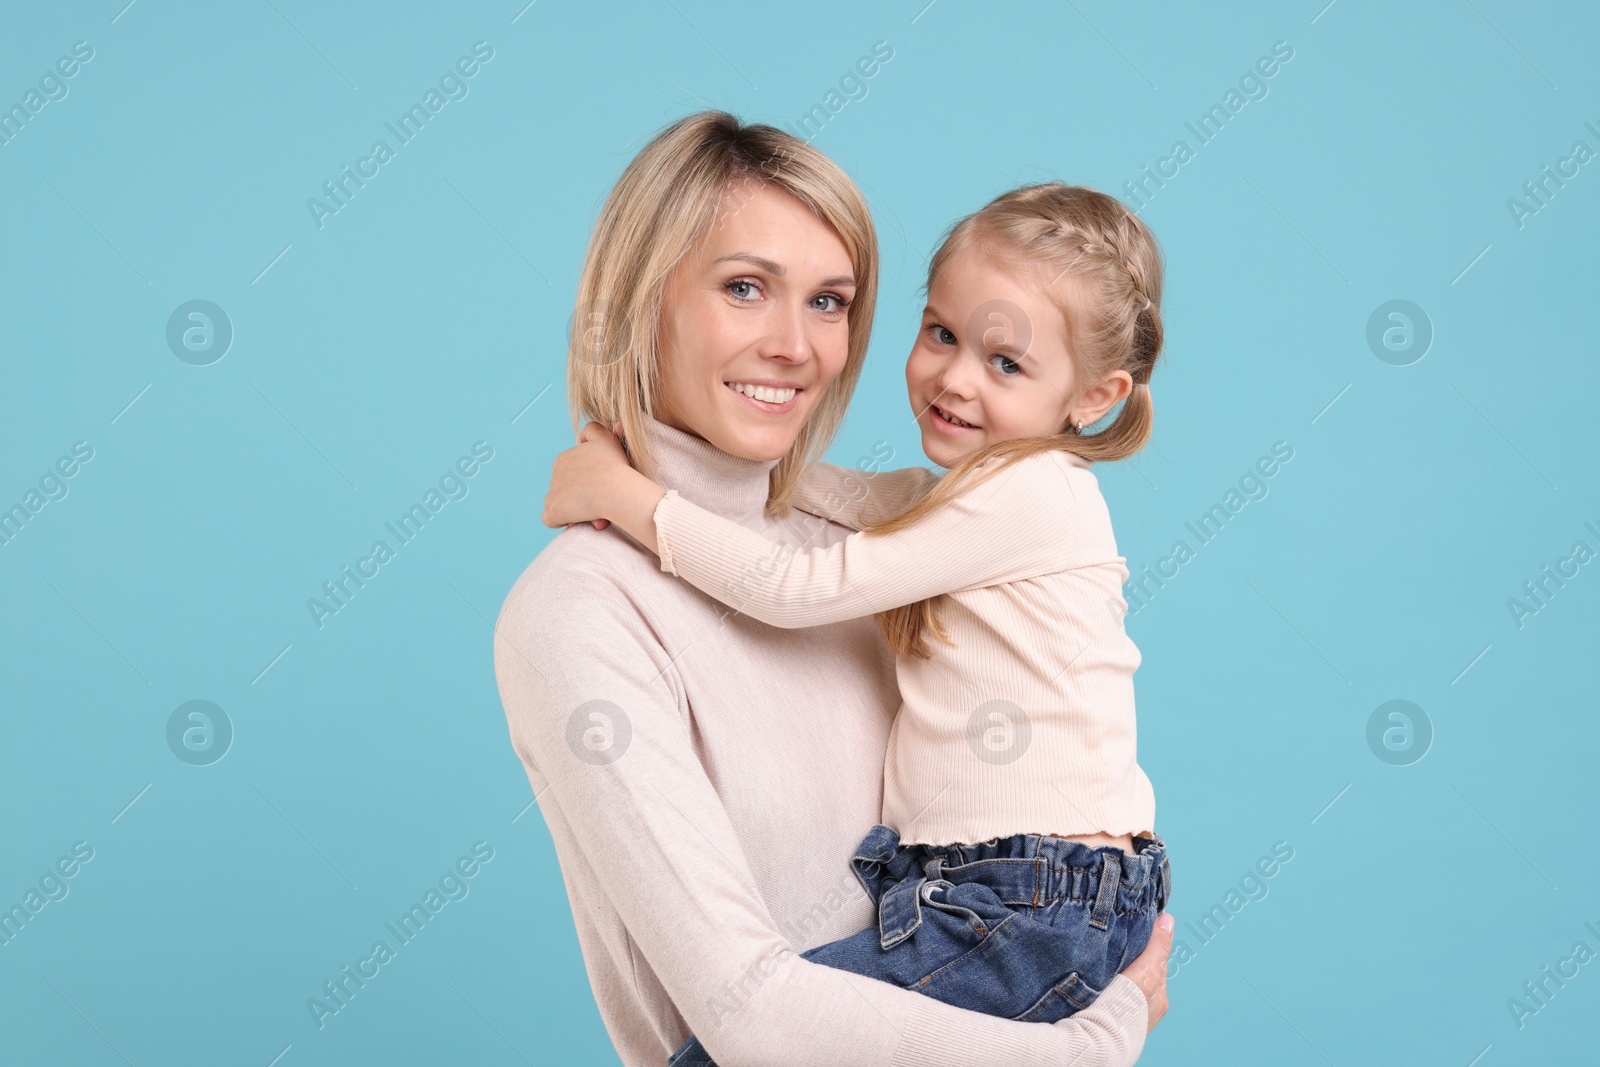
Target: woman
723	317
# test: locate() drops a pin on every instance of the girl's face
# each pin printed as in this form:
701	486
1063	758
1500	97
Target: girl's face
753	324
991	363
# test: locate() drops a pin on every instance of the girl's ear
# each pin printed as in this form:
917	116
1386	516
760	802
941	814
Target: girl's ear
1103	397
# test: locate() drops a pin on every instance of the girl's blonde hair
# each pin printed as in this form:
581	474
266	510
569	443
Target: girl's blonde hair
663	204
1112	306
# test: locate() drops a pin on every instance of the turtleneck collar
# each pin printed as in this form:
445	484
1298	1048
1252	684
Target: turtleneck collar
710	478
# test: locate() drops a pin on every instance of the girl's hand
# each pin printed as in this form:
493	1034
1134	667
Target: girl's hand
585	478
1149	969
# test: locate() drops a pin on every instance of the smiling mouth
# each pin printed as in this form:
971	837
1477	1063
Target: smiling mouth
765	393
940	412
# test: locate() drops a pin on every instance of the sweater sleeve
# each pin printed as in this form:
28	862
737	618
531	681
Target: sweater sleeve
1015	524
857	498
596	717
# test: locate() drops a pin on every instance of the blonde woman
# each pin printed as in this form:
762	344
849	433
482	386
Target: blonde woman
669	741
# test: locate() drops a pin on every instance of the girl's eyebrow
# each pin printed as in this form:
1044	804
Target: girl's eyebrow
776	269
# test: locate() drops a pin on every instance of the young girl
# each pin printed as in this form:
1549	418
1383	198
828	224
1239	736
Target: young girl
1018	869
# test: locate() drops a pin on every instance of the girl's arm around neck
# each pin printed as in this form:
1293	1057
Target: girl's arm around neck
1017	524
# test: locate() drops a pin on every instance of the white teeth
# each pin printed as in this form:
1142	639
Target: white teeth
762	392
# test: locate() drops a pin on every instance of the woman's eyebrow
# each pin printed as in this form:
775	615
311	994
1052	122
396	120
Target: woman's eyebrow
776	269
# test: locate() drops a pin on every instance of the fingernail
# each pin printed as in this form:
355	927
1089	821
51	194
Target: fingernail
1166	922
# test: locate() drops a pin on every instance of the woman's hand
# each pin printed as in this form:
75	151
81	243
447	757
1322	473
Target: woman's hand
1149	969
584	480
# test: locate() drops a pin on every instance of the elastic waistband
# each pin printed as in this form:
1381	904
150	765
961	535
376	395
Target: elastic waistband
1027	869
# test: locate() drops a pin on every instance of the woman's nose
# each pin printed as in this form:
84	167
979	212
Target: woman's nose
786	338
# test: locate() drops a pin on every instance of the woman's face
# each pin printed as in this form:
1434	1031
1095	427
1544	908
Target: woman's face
753	324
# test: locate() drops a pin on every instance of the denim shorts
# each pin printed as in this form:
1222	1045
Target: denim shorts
1029	928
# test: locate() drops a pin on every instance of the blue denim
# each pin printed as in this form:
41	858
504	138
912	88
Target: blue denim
1029	928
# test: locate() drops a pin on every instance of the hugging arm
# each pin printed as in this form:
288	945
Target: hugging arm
1016	524
857	498
653	829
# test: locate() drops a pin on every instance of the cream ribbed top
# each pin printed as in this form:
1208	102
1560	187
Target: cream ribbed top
1027	724
706	778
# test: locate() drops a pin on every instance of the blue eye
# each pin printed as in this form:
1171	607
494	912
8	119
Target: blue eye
737	284
941	335
1007	367
839	302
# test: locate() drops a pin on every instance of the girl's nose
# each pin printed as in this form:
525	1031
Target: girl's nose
956	378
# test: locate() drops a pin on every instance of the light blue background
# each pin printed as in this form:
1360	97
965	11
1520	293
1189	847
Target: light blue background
428	313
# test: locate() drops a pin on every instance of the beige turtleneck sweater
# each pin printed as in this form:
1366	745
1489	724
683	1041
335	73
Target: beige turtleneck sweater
706	779
1026	724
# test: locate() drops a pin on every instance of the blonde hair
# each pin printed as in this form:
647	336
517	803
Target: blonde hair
1112	307
661	207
